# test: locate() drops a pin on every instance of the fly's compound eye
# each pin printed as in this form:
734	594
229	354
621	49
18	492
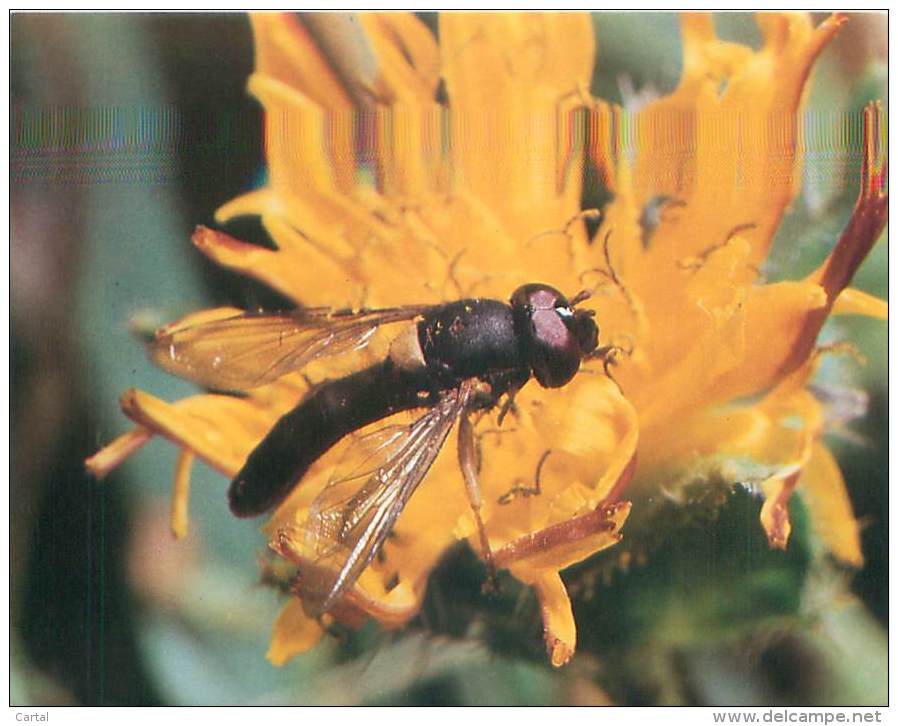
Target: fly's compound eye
554	338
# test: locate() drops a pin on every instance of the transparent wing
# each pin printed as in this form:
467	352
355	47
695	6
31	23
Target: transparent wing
349	521
246	350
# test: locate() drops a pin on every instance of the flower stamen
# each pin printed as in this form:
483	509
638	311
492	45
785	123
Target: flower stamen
589	215
610	273
521	489
694	264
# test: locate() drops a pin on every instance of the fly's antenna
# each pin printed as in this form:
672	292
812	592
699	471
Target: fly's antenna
580	297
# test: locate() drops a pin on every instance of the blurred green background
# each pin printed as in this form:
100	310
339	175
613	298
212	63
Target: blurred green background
107	609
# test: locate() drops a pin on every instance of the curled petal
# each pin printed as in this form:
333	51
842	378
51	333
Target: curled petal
774	318
775	511
566	457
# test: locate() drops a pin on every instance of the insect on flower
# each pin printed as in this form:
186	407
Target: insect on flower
719	359
452	359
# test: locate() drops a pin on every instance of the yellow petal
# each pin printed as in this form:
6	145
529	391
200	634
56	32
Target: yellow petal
559	628
294	632
506	75
579	444
775	510
287	54
829	505
300	137
180	494
857	302
279	270
221	430
114	453
407	59
733	118
775	336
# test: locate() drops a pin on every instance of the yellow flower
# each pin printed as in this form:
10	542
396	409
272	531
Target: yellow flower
453	169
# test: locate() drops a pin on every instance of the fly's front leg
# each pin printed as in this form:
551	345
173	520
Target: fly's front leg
610	355
509	404
467	461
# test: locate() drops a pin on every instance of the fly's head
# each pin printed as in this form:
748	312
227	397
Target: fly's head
554	336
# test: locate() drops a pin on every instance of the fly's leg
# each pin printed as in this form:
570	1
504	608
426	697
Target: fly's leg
522	490
508	405
610	355
467	461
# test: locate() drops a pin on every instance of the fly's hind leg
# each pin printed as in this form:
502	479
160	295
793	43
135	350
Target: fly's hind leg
467	461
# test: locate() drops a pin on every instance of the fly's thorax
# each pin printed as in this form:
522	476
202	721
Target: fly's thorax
405	350
472	338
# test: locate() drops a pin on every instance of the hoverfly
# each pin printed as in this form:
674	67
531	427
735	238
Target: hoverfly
451	359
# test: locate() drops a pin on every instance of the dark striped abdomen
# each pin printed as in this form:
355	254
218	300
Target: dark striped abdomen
330	412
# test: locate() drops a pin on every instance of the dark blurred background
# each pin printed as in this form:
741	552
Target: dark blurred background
129	130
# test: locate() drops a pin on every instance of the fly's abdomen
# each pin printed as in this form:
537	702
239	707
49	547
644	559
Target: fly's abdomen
327	414
470	338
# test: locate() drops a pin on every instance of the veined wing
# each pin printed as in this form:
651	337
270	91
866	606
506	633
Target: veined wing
350	520
246	350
